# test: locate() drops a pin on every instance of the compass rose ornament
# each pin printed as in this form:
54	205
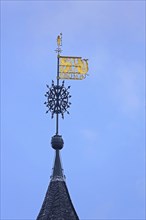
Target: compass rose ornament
57	99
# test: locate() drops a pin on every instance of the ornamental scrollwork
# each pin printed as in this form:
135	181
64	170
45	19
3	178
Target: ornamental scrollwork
57	99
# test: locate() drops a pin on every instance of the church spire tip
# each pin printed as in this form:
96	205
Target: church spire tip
57	169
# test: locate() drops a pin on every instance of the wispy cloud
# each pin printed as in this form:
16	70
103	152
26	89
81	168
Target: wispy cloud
90	144
129	89
89	135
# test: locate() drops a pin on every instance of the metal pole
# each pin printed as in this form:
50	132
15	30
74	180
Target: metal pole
57	115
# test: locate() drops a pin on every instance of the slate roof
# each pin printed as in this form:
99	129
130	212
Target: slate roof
57	204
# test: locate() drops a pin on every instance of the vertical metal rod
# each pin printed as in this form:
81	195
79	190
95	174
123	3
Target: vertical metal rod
57	115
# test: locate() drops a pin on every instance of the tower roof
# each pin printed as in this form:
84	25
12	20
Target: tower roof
57	204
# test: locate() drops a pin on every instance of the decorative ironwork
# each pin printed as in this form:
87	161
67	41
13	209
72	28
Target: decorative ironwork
57	99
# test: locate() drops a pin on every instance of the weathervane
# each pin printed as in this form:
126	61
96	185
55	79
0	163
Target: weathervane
68	67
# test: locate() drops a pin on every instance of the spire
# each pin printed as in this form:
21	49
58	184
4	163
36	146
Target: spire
57	204
57	169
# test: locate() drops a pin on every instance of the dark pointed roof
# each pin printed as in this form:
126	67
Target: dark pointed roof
57	204
57	169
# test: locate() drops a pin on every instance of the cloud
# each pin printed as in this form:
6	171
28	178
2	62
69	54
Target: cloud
90	149
89	135
129	89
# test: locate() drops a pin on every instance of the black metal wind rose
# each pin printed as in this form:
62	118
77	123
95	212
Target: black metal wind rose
57	99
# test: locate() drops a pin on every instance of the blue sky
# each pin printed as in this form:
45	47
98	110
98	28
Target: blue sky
104	152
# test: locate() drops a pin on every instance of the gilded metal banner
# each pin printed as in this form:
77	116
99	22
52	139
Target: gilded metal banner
72	68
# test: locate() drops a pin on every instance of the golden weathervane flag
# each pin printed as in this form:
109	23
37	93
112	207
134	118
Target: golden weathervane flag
72	67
